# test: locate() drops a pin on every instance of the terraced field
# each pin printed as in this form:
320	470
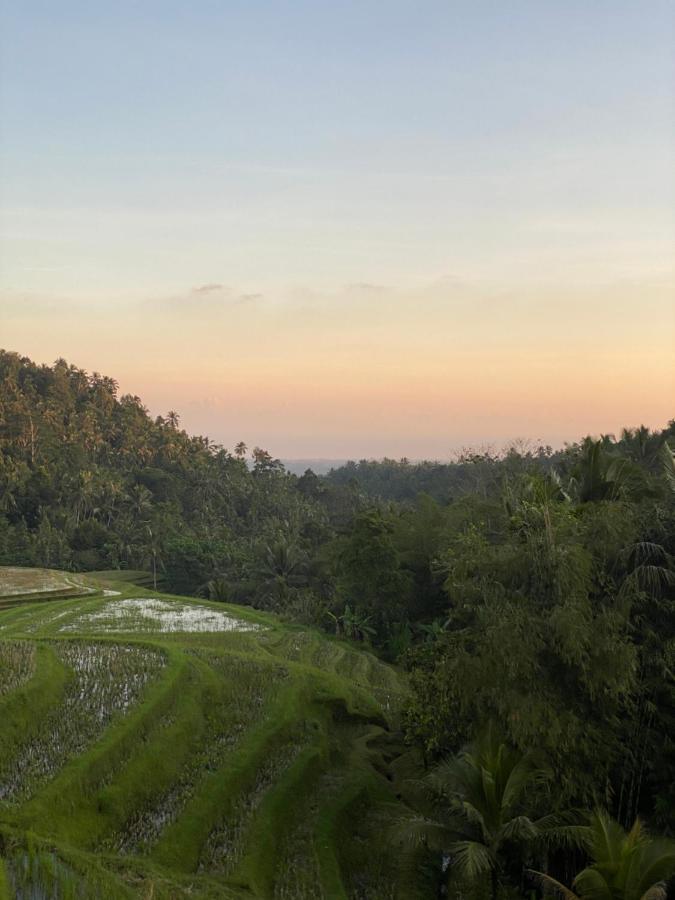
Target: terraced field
159	747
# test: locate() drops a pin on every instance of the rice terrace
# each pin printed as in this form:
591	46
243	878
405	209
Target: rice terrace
156	746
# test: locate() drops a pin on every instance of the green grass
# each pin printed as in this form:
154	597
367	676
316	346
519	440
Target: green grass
143	760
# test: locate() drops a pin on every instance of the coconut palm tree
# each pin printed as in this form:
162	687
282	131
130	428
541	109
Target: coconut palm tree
642	445
625	865
139	502
281	570
601	475
217	588
151	543
481	801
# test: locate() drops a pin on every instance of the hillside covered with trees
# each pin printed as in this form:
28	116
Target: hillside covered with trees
529	596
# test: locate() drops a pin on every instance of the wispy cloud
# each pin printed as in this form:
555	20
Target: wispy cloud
210	298
209	288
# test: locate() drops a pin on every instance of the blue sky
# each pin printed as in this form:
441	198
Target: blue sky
292	150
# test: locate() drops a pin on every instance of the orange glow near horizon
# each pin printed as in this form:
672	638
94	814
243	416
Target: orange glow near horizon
400	373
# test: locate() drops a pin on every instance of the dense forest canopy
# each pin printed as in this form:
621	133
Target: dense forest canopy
529	592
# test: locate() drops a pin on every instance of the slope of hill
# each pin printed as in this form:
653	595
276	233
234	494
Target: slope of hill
157	746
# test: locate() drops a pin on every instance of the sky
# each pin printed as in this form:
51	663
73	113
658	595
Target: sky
347	229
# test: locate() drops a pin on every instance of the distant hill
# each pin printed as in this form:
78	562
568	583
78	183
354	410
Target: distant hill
318	466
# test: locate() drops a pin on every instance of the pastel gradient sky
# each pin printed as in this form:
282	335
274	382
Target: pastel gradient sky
347	229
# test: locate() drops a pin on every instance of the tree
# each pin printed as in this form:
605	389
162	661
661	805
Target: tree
602	475
280	571
352	624
482	807
139	501
649	731
217	588
538	639
264	463
371	577
625	865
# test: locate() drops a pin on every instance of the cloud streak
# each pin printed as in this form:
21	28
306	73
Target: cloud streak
208	288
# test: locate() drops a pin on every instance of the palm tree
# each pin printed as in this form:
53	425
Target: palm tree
481	802
625	865
152	545
600	475
84	492
281	570
642	445
139	501
217	588
667	461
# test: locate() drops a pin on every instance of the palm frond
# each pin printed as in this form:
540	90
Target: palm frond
419	831
653	863
645	552
591	884
552	885
520	828
656	892
472	816
471	858
527	773
606	838
667	458
571	837
652	578
449	775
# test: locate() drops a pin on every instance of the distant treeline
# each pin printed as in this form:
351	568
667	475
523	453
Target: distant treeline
483	470
473	470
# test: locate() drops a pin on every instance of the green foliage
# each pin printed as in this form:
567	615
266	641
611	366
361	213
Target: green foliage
372	578
530	641
561	627
624	865
480	810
